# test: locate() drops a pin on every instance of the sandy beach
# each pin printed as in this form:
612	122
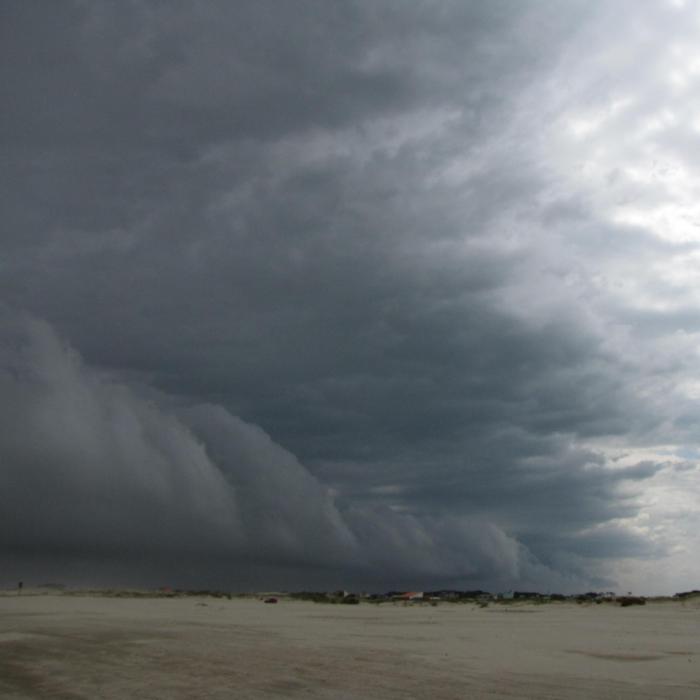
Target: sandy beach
75	647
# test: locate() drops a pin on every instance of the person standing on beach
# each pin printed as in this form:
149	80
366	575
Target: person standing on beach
19	587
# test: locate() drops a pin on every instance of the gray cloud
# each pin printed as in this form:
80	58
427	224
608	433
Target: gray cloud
403	239
95	470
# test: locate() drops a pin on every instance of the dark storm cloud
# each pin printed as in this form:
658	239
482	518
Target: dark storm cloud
335	221
96	471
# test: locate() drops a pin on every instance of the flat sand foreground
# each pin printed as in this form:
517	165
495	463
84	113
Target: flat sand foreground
74	647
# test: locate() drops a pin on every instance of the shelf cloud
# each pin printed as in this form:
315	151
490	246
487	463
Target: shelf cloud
376	293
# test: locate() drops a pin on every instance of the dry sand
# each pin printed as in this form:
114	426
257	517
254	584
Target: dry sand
55	646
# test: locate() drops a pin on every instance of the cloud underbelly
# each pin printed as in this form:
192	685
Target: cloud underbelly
92	468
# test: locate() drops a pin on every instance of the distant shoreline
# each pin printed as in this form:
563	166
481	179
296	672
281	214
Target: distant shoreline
331	598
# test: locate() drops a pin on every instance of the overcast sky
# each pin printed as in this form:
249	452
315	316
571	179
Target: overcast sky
373	293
